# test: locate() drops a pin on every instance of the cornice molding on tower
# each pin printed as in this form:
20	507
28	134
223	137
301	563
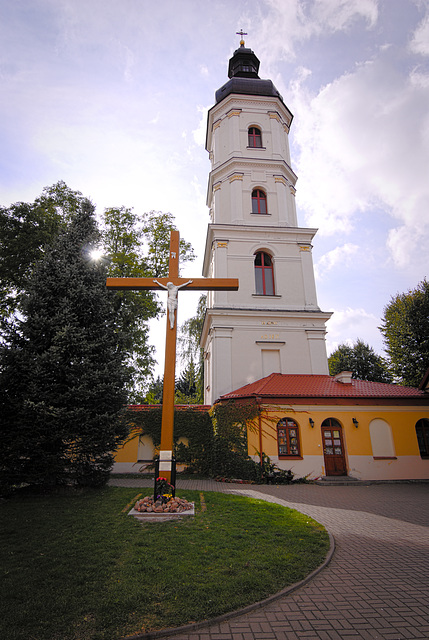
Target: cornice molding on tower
275	165
281	179
289	320
238	165
235	176
251	234
264	104
286	319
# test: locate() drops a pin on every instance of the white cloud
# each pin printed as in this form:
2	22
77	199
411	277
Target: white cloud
199	133
296	21
402	241
420	41
338	15
338	257
347	325
364	143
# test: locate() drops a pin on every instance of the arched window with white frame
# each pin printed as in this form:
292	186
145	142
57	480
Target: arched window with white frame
264	274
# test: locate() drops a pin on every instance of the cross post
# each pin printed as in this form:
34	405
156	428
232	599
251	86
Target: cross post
172	284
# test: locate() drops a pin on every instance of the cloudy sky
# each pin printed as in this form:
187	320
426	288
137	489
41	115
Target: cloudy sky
111	96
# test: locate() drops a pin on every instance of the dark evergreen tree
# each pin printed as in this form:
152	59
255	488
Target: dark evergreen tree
361	360
188	387
62	377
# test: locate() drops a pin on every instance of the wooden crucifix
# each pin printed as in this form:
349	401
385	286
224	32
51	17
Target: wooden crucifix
172	284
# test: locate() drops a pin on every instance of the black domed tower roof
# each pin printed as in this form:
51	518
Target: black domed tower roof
243	70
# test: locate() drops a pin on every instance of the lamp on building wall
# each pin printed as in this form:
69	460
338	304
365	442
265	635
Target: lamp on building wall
311	421
355	422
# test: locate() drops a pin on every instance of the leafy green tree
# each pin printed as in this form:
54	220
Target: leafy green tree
361	360
26	229
62	377
191	353
154	393
139	246
156	227
405	327
124	245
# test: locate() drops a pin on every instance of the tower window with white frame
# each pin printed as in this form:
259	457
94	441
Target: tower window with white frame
259	201
264	274
254	137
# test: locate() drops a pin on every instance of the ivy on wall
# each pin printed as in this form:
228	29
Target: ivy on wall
231	421
192	423
216	438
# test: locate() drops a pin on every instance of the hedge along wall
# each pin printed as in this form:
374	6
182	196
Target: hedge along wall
192	422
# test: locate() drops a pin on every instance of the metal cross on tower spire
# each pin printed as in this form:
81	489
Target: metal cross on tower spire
241	33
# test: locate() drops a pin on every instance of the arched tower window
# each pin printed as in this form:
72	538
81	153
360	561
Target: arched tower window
259	201
255	137
264	274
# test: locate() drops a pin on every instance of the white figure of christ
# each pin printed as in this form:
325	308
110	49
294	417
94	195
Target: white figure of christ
172	290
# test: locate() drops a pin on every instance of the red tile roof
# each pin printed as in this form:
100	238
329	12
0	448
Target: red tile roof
321	386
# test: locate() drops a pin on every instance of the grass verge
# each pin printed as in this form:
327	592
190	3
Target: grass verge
76	567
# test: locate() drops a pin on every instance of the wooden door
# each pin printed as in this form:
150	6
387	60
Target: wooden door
333	448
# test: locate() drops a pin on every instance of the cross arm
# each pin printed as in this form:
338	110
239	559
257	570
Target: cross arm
198	284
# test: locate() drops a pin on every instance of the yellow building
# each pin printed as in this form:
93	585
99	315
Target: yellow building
320	426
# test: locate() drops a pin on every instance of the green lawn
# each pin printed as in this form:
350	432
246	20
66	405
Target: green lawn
75	566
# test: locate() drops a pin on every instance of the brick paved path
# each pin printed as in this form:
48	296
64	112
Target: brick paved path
377	585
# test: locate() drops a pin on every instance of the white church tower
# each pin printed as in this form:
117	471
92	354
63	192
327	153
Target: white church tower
272	324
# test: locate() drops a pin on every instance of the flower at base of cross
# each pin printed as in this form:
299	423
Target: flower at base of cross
163	488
